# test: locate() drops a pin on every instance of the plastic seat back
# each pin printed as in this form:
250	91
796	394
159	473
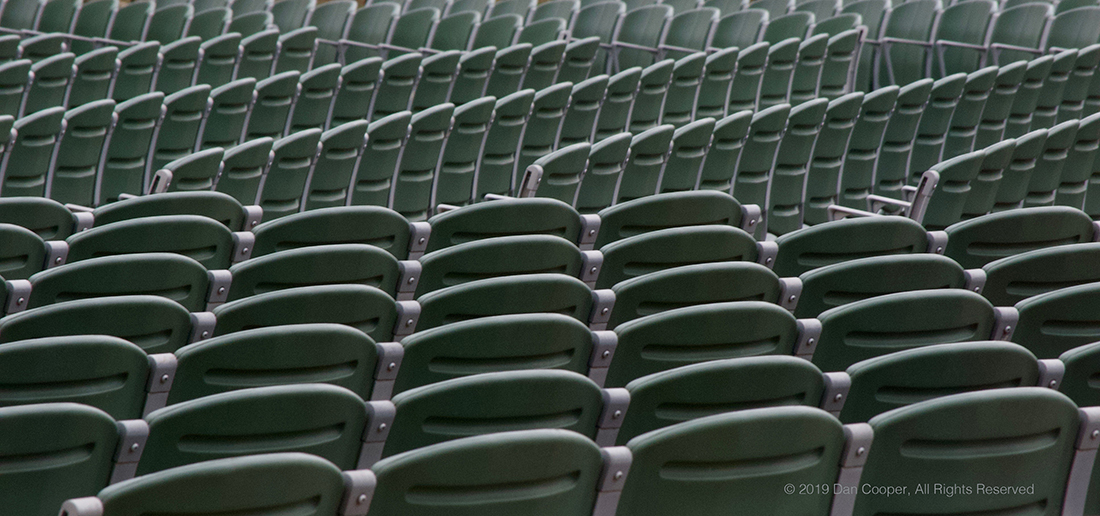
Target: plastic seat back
50	83
489	258
1026	99
504	217
497	168
508	70
364	308
1049	414
172	276
370	25
79	153
764	436
41	485
358	264
283	187
396	85
849	239
243	167
210	23
296	479
292	14
275	97
1021	26
859	331
598	20
380	227
253	414
219	60
529	293
228	111
168	23
684	168
523	398
454	181
691	285
250	24
662	249
179	62
855	280
763	329
964	122
294	354
556	452
258	55
892	169
358	84
331	20
718	387
373	180
614	115
341	149
33	148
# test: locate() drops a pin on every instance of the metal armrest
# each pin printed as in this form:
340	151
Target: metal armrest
496	197
243	242
407	279
590	230
1004	322
390	355
19	294
837	386
959	44
419	232
663	49
57	251
218	291
603	352
78	208
887	41
616	466
387	46
603	301
357	44
529	185
975	280
253	215
615	403
837	212
408	313
591	264
632	46
790	289
751	215
162	372
359	488
877	202
380	416
1005	46
1051	372
334	43
160	182
84	220
766	251
202	326
132	436
1080	473
809	333
859	437
87	506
